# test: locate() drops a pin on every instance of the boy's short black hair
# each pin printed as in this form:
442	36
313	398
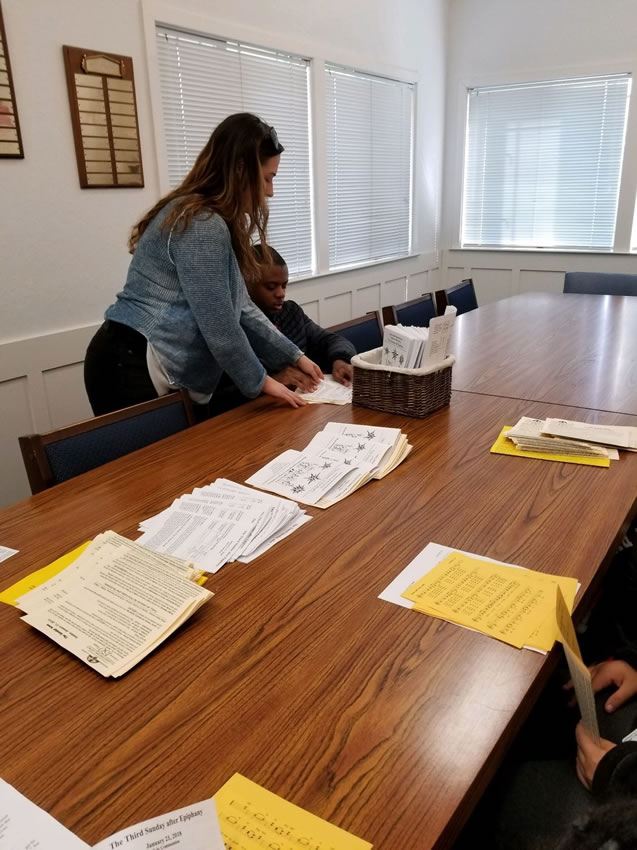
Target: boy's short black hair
276	258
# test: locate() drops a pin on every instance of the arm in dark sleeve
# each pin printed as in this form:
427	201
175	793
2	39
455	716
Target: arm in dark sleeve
616	774
325	347
272	348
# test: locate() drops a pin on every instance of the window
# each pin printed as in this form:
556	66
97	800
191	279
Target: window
543	163
205	79
369	156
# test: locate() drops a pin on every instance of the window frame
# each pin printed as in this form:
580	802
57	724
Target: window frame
456	130
160	12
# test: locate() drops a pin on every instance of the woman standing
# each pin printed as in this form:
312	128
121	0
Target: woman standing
184	316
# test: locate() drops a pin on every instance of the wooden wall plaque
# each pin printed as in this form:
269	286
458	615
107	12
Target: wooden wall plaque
104	116
10	138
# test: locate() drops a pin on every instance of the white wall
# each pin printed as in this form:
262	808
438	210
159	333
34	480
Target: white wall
502	41
63	248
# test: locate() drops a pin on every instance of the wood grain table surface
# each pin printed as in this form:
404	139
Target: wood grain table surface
565	349
384	721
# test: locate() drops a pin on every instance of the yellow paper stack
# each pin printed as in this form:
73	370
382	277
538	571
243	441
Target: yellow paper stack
514	605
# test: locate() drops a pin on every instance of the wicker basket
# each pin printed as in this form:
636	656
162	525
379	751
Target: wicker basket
411	392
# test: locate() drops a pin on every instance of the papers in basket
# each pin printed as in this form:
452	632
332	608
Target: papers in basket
221	522
115	603
417	348
336	462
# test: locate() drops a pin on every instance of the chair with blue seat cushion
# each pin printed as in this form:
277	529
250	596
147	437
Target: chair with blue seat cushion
62	454
599	283
364	333
417	313
462	296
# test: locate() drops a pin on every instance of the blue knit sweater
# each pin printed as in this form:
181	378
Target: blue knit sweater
184	292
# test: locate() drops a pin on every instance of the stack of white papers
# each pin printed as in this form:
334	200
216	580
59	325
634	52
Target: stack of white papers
336	462
529	435
418	348
403	346
617	436
219	523
115	603
328	391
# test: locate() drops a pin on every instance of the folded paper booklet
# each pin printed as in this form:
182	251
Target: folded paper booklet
504	446
25	826
115	603
392	437
337	461
528	435
617	436
220	523
328	391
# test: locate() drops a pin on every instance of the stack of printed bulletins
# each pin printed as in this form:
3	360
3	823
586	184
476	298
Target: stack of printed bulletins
115	603
221	522
337	461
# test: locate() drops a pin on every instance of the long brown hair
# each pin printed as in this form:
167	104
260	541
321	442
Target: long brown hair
226	171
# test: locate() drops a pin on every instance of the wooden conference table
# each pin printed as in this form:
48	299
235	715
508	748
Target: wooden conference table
565	349
381	720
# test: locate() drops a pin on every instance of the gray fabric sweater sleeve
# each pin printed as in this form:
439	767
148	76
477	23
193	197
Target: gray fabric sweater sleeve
212	285
273	348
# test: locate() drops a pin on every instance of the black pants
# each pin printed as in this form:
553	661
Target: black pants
115	370
116	374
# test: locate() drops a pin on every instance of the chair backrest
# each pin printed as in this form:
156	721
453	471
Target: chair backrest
364	333
599	283
66	452
418	312
462	296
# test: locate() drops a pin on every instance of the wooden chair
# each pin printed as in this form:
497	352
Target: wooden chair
66	452
418	312
364	333
462	297
598	283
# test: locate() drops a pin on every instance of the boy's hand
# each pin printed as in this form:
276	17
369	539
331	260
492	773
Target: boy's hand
589	755
618	673
342	372
293	377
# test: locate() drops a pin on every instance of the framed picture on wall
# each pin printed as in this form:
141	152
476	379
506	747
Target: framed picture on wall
104	116
10	138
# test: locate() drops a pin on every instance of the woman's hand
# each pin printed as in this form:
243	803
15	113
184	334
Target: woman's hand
342	372
280	391
310	368
589	755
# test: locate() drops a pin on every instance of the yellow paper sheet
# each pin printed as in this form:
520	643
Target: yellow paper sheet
251	817
37	578
504	446
503	602
546	635
580	674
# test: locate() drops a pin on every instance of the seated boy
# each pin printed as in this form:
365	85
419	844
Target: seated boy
331	351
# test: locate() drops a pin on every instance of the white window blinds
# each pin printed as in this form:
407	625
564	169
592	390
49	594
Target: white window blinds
543	163
369	157
205	79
